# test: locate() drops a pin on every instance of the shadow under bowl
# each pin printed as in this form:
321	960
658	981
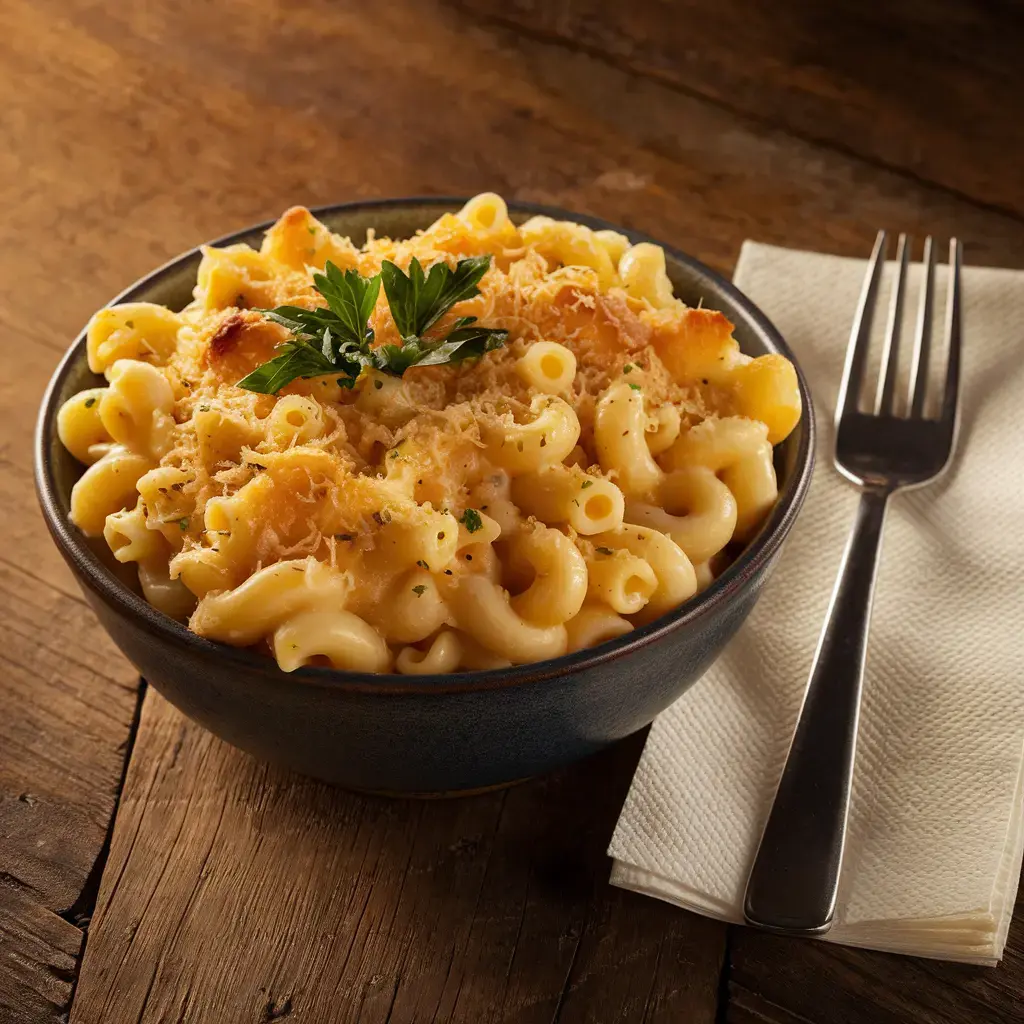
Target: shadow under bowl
429	734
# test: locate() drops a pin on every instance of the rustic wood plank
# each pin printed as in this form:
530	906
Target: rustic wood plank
67	702
181	93
788	981
629	970
38	954
237	891
67	697
920	87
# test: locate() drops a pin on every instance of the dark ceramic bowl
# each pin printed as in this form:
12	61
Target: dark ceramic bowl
428	734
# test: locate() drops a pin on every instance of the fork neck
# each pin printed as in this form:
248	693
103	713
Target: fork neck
877	492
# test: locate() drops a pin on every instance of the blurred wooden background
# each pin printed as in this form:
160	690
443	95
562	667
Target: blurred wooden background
149	873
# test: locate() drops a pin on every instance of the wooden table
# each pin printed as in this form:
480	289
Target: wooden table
148	872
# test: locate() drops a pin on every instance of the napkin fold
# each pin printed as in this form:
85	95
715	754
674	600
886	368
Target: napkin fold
936	828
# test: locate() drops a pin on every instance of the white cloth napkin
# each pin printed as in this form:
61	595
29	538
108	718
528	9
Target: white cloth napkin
936	826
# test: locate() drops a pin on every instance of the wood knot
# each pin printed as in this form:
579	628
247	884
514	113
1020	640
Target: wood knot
275	1010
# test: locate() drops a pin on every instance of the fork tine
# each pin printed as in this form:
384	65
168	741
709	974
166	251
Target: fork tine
860	334
891	352
922	336
953	325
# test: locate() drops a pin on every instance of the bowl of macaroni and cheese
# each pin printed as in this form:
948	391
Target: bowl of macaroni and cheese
425	495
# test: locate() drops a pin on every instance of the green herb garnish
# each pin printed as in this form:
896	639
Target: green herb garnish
586	484
418	301
339	338
636	387
323	340
422	564
605	551
90	402
419	590
471	520
183	524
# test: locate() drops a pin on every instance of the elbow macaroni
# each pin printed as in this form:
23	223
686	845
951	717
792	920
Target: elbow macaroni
621	440
593	474
547	367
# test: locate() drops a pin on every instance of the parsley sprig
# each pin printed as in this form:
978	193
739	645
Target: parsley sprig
338	339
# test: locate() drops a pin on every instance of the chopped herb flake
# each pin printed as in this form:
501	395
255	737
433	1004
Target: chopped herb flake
419	590
636	387
90	402
471	520
605	551
183	524
422	564
628	368
586	484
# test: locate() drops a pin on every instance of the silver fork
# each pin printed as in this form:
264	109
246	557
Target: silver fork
792	885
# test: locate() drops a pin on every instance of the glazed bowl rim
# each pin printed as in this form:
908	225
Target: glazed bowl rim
733	581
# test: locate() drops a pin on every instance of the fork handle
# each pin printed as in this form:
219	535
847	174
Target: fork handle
792	885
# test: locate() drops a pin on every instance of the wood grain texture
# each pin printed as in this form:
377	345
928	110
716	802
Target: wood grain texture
38	954
235	892
67	697
787	981
181	97
68	700
239	892
921	87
